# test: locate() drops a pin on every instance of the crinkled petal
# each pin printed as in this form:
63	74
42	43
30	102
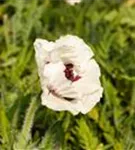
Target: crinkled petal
89	101
59	104
55	73
42	48
72	49
89	81
91	70
83	87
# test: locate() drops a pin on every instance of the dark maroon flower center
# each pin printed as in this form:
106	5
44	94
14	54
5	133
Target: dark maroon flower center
70	74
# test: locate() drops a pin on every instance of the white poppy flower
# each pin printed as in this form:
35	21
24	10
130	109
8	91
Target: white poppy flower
73	2
68	73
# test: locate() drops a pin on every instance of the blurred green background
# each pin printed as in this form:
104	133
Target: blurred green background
108	26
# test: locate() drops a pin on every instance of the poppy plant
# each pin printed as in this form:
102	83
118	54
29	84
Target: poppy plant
69	75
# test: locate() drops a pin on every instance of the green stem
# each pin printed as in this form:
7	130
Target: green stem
25	134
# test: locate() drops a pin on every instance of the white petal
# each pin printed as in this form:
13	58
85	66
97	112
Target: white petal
89	101
83	87
55	72
73	2
43	45
89	81
42	48
69	93
58	104
72	49
91	70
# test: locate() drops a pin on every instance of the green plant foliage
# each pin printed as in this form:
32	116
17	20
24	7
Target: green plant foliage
109	28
